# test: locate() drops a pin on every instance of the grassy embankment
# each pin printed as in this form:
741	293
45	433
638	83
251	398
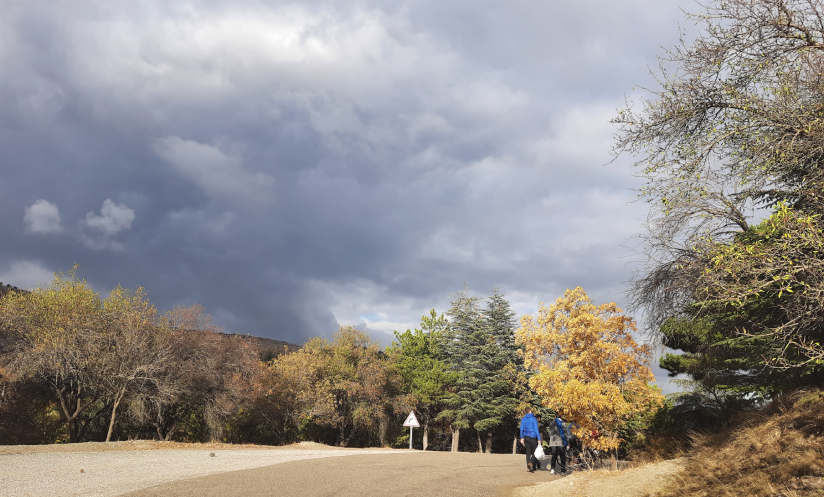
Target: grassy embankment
777	451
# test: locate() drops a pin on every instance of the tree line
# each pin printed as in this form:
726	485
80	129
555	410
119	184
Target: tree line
78	367
730	143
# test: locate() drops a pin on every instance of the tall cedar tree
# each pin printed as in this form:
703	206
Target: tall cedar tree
480	347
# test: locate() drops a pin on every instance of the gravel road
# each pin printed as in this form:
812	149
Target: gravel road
166	469
106	473
400	474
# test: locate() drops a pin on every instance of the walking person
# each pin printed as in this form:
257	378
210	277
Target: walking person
530	437
536	463
558	444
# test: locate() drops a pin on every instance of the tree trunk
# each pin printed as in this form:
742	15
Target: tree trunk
456	435
71	424
384	424
480	444
425	435
71	417
117	400
164	433
342	437
170	433
515	445
489	442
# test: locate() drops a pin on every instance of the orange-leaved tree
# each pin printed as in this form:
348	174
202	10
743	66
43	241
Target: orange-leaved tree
588	367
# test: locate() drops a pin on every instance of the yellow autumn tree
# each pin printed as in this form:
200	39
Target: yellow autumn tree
57	332
588	367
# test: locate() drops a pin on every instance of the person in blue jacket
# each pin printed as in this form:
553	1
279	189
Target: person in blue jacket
530	436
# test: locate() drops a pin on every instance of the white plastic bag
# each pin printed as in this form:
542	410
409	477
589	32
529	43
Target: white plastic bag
539	452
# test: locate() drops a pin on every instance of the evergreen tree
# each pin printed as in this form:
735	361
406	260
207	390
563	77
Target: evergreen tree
509	374
500	319
424	376
480	347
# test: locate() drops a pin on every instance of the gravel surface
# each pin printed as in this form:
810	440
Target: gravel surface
105	470
403	474
145	468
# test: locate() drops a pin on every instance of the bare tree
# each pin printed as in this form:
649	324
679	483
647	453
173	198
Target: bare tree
736	122
136	352
207	374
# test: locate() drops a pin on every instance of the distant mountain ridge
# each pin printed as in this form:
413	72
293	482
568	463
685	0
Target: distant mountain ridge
4	289
266	347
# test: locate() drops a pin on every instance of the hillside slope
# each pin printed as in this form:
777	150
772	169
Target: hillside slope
778	451
266	347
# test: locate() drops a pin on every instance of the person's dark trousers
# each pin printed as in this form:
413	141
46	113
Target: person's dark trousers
531	443
556	452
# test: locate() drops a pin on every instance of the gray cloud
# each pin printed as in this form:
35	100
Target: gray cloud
113	218
217	173
296	165
42	218
26	274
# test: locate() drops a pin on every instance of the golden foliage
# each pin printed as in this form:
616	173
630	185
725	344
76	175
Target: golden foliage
362	382
55	315
588	366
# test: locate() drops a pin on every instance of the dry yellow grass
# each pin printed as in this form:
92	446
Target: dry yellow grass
778	451
633	482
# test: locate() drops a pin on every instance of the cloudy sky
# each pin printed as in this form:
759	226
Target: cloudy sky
293	166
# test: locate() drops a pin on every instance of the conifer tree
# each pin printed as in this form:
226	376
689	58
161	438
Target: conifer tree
506	379
501	321
480	347
425	376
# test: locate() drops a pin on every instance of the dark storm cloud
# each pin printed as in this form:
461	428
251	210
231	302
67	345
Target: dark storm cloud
295	165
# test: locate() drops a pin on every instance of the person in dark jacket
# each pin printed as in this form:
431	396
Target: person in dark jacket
558	444
530	437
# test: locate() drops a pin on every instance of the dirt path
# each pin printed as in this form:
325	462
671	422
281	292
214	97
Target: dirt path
635	482
399	474
107	470
145	469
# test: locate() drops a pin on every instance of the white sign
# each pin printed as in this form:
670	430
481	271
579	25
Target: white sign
411	420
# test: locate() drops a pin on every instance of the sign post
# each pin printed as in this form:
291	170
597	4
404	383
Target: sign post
411	421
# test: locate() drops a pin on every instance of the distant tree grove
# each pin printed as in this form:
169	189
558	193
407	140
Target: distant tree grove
77	367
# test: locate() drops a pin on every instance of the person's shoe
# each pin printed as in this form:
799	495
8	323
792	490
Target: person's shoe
538	466
529	467
552	471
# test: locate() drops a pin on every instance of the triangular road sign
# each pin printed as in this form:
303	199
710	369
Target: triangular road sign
411	420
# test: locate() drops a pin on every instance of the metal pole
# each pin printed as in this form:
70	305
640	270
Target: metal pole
410	438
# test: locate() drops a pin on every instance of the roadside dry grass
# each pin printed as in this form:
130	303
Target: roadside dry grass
634	482
777	452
